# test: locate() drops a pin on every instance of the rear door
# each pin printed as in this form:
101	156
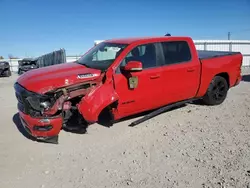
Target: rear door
148	91
181	71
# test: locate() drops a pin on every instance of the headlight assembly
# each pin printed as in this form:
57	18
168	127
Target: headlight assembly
40	103
45	104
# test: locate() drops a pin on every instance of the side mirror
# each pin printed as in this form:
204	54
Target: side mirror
132	66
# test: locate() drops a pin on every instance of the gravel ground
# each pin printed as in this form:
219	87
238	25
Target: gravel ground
193	146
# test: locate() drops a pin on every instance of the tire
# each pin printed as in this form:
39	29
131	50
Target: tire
20	72
7	73
216	92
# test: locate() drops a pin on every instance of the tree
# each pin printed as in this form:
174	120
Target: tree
1	57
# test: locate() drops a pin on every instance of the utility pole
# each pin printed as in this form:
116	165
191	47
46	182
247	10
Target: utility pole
229	35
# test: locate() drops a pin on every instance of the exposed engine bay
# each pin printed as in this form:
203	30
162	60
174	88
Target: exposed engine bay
62	102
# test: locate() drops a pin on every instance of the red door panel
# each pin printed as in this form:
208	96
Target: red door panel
149	91
181	81
145	97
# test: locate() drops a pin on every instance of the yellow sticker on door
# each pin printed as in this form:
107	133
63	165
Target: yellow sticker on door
133	82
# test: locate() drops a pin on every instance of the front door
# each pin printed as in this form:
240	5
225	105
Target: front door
147	89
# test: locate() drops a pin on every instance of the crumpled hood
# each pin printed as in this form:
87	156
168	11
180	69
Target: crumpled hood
56	76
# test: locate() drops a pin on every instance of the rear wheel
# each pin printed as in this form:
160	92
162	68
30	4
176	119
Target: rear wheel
217	91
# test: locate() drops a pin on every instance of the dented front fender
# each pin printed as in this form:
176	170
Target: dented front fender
94	102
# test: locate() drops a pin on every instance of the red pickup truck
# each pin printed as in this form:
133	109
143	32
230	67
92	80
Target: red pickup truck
122	77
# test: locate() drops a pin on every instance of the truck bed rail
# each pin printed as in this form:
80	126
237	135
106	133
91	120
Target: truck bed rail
204	54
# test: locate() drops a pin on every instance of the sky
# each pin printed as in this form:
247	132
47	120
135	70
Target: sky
35	27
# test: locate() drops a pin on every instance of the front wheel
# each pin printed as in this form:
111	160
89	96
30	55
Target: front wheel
217	91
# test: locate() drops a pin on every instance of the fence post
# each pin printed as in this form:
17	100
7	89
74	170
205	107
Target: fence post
11	66
230	46
205	46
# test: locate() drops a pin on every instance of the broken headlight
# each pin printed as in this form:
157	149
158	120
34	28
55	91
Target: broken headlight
40	103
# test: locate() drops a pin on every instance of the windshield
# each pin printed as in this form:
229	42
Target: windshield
102	56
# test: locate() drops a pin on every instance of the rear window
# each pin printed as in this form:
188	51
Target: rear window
176	52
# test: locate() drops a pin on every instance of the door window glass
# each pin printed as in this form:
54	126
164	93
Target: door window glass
146	54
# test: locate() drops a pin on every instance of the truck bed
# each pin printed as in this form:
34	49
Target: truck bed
204	54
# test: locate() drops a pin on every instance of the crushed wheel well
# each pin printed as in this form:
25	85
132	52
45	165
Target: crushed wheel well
106	117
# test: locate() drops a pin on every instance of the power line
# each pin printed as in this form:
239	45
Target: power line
229	34
237	32
241	31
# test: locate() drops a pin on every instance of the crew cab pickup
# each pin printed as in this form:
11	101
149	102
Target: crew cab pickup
123	77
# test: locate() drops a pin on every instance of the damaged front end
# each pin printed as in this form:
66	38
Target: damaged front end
44	115
5	69
27	64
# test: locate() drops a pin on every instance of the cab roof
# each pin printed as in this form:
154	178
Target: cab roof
143	39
